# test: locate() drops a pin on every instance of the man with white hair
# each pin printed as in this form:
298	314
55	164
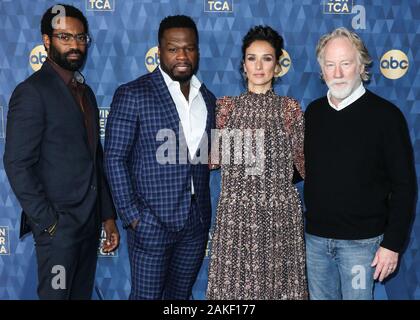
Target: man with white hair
360	183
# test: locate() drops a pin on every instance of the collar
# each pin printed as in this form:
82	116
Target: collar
66	75
360	91
194	82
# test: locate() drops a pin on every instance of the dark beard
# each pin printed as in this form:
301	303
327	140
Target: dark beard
62	61
180	79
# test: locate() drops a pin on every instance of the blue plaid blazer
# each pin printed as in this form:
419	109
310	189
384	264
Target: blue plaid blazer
138	181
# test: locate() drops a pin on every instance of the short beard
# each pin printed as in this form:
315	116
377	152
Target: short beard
180	79
345	92
61	58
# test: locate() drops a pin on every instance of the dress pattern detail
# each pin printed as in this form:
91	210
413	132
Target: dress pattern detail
258	249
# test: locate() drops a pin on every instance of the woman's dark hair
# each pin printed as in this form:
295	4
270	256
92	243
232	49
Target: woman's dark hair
264	33
69	11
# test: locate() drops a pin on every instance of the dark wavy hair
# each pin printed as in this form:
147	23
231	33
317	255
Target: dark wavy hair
70	11
264	33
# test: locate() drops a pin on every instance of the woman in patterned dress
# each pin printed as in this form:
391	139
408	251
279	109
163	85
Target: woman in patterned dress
258	245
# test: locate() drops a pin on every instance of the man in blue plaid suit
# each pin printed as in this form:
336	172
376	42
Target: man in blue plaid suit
156	148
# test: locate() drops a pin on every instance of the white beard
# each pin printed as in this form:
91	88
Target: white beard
341	94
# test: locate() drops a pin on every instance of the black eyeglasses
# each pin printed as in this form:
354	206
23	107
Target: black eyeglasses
67	38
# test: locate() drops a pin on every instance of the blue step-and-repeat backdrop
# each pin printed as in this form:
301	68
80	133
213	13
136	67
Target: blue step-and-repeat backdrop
124	47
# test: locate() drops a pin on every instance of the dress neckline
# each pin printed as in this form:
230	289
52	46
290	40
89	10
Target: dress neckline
268	93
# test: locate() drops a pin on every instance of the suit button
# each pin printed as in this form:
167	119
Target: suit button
93	187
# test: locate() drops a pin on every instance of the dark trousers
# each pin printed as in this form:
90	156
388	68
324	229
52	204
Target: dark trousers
67	260
165	265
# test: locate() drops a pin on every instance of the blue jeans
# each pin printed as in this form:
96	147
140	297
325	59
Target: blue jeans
340	269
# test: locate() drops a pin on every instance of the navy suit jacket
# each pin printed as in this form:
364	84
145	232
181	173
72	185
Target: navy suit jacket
47	157
143	120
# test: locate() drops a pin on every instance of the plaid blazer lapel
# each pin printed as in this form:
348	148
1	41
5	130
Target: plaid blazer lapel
166	102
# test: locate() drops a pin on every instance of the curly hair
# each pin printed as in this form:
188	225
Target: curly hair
264	33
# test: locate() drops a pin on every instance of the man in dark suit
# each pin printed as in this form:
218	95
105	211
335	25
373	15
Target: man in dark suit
156	147
53	159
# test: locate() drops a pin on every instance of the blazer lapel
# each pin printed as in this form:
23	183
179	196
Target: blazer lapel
68	100
95	116
171	112
166	101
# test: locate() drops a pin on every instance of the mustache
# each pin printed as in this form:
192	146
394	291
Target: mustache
333	82
183	65
74	51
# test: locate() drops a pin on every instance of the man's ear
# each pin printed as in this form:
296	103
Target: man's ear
361	69
47	42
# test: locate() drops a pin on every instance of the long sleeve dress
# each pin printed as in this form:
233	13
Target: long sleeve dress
258	249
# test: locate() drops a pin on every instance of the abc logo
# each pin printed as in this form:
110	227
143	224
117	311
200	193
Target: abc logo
285	63
37	57
394	64
152	59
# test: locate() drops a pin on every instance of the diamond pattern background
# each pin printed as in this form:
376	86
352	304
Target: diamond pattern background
123	36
